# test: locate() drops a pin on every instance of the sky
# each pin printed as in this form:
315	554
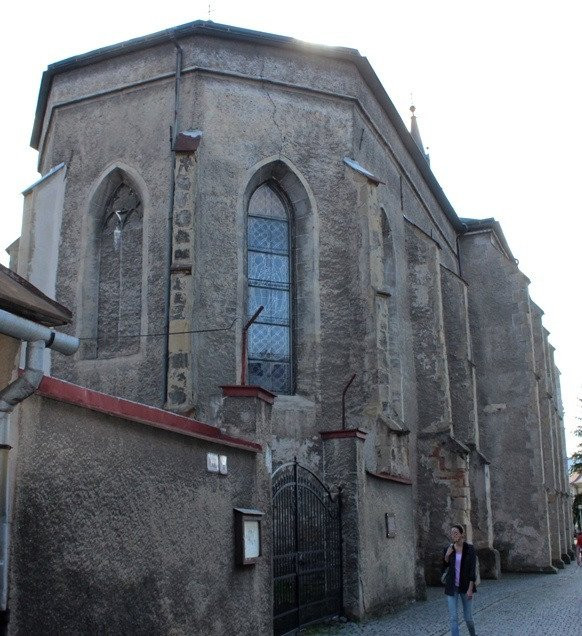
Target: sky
496	86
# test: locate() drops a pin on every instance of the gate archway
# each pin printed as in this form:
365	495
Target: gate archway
307	549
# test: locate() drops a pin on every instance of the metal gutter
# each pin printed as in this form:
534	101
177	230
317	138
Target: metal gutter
201	27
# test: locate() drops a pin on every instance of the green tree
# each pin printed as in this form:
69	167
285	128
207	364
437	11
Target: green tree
576	466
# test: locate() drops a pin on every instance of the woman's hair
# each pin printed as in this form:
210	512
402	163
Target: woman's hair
459	528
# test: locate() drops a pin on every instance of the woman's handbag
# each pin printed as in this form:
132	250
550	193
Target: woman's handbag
444	575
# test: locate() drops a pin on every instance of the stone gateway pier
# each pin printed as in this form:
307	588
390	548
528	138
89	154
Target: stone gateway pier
185	471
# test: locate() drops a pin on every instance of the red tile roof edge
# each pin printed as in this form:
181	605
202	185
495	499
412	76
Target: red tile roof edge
61	391
389	477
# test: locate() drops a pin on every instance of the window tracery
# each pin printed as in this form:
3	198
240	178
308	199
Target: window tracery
120	274
269	284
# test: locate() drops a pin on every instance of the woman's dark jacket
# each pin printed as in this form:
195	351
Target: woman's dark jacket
468	570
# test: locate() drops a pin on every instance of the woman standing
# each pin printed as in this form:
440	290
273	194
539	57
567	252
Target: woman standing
460	560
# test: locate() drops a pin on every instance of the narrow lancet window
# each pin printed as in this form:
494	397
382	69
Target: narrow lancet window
120	273
269	284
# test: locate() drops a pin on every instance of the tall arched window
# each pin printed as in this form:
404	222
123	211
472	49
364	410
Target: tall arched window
269	284
387	253
391	343
120	272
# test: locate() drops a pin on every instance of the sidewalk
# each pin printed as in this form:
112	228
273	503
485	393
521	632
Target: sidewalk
516	605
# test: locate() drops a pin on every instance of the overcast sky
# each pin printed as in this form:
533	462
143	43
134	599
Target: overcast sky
496	86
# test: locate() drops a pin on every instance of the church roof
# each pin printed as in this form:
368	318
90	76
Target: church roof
208	28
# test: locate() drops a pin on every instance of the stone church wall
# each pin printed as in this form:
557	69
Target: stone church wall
509	419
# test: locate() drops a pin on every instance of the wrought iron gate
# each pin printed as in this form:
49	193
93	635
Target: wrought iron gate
307	549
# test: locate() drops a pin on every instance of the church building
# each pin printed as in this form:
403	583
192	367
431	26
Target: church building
282	322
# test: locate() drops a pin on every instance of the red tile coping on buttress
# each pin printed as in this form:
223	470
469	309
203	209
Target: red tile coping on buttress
348	432
390	477
240	390
62	391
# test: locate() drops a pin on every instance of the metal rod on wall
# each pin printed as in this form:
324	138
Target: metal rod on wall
243	358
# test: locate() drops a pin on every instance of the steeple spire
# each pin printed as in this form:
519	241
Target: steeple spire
415	132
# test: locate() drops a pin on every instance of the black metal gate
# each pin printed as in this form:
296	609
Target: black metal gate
307	549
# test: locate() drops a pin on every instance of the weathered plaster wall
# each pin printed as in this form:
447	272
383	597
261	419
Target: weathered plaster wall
120	528
387	572
426	311
345	255
481	515
9	348
248	107
544	396
295	432
509	419
475	488
41	229
344	463
461	369
269	131
38	248
379	571
567	527
444	498
557	520
443	478
132	138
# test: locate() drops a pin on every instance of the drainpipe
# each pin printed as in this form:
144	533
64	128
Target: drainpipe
24	386
38	337
22	329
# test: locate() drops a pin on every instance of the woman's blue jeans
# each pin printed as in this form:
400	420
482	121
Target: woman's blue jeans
467	612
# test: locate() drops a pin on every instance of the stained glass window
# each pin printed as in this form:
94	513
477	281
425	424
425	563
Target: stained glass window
269	284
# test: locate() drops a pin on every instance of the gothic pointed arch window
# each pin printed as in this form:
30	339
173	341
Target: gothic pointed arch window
387	252
120	272
388	317
269	283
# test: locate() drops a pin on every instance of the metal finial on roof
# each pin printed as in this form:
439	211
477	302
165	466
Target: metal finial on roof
415	132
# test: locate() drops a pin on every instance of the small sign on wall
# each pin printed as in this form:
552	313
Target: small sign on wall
212	462
247	535
390	525
216	463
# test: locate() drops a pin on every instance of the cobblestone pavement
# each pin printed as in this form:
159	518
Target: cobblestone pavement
516	605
